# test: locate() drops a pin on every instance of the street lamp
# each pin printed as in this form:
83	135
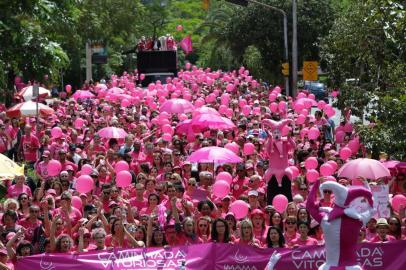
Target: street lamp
285	29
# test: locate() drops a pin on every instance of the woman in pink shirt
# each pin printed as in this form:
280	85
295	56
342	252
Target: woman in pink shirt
290	230
247	234
274	238
15	190
260	229
304	239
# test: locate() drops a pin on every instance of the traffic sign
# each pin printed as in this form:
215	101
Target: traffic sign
285	69
310	70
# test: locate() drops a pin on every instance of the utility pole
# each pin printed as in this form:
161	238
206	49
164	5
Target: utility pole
294	47
88	62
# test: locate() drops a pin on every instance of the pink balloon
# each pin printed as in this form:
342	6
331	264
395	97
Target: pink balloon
326	169
353	145
167	137
78	123
304	132
311	163
68	88
312	175
304	112
334	94
273	107
242	103
229	112
246	110
331	112
86	169
77	202
314	133
167	129
333	164
282	106
340	135
54	167
301	95
348	127
230	87
183	117
345	153
239	208
397	201
300	119
248	149
233	147
224	176
221	188
84	184
125	103
123	179
56	132
272	97
295	171
321	104
179	27
298	107
142	77
280	202
121	166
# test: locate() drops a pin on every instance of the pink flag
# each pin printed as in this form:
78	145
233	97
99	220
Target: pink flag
186	44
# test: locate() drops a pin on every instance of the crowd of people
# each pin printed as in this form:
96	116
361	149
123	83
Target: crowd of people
170	200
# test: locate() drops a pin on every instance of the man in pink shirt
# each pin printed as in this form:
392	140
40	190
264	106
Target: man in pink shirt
382	228
29	145
139	201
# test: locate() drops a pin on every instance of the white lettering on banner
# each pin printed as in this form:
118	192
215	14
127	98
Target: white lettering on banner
131	258
238	267
371	257
240	258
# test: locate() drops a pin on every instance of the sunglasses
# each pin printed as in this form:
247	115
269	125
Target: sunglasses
23	198
158	190
393	223
290	222
106	192
327	191
65	199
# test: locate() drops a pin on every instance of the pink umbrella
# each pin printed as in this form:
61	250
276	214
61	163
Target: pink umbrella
214	154
82	94
211	121
303	101
209	110
29	108
391	164
112	132
177	105
364	167
184	127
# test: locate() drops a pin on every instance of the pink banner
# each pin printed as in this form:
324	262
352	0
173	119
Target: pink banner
215	256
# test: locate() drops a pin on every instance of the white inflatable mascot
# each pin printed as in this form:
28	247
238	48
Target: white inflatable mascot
353	207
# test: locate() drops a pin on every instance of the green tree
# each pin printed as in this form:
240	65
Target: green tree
367	43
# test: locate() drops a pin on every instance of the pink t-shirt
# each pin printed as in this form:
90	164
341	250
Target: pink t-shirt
74	215
42	169
138	204
377	239
30	147
308	242
14	190
29	228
